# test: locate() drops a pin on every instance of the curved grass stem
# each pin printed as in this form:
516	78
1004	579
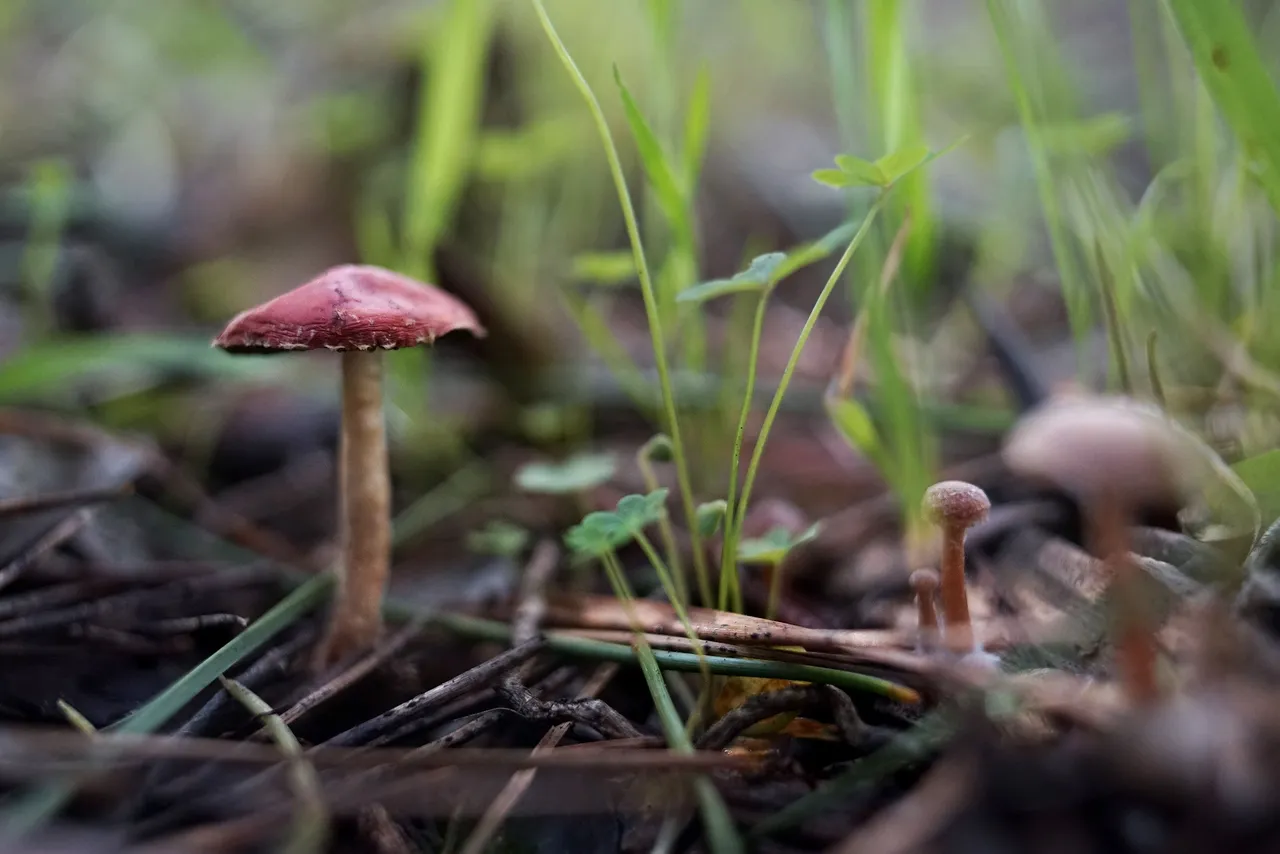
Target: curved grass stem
651	308
680	589
664	575
730	589
775	590
753	467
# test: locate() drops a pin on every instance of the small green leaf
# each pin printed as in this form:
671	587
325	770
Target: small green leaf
855	425
808	534
710	516
576	474
656	167
769	550
637	512
835	239
499	538
598	533
898	164
835	178
811	253
863	172
762	268
760	275
605	268
773	548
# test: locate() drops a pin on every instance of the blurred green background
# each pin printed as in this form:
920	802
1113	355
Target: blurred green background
167	164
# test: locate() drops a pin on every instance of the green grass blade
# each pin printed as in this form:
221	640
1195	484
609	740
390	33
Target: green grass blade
652	314
740	511
310	832
50	191
684	662
76	719
722	834
911	451
730	590
891	77
697	129
453	60
1230	66
131	361
33	809
657	167
1030	65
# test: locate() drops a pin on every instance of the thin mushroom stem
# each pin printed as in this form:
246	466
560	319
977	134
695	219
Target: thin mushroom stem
955	597
1134	641
924	582
365	508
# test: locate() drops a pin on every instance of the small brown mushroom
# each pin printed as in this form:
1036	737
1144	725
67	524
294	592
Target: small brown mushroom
925	584
359	311
1115	457
955	506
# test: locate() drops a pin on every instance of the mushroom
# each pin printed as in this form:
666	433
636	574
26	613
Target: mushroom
955	506
1115	457
357	310
924	582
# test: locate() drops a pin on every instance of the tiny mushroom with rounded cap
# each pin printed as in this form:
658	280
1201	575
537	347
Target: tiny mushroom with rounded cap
359	311
955	506
925	584
1115	457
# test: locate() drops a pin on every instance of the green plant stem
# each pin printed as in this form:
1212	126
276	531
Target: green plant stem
775	589
730	588
621	588
776	403
646	290
685	662
1111	317
310	832
76	719
1006	16
680	586
1153	372
722	835
664	575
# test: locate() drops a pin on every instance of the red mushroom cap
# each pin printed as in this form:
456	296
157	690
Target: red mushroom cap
350	307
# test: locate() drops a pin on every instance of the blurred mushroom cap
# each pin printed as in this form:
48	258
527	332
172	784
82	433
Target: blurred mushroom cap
1094	445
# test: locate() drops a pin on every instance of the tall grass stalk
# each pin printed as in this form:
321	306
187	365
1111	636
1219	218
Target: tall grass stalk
646	288
738	514
720	830
1222	45
644	461
730	588
891	86
1027	51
